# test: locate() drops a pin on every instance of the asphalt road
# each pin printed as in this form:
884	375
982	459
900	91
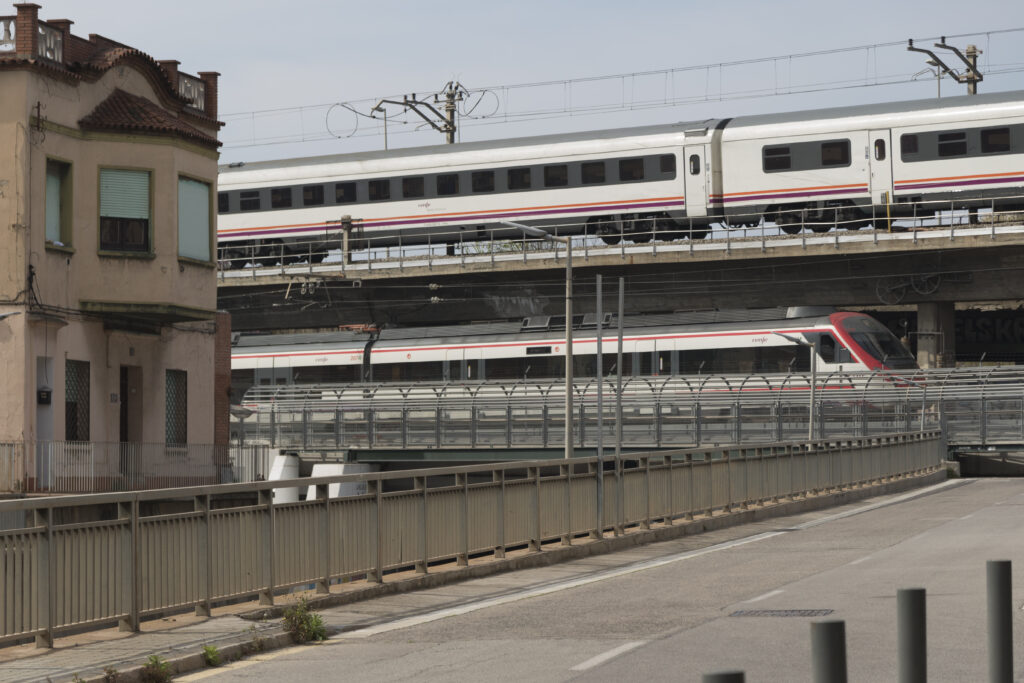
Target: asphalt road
666	611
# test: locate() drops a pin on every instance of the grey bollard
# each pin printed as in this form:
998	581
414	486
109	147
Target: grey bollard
723	677
828	652
911	635
1000	622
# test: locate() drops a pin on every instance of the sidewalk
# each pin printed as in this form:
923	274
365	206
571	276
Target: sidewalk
248	628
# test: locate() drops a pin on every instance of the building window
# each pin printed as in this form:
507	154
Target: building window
313	195
448	184
249	200
993	141
952	144
177	407
194	235
344	193
58	203
76	400
379	190
519	178
835	153
776	159
124	210
631	169
556	176
281	198
483	181
592	172
412	188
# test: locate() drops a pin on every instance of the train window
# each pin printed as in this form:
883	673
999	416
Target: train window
448	184
952	144
592	172
312	195
879	150
667	163
379	190
280	197
908	144
249	200
483	181
412	187
344	193
222	202
995	140
519	179
835	153
631	169
694	164
776	158
556	176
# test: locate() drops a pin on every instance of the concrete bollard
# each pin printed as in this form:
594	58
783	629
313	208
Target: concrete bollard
828	652
1000	622
911	635
723	677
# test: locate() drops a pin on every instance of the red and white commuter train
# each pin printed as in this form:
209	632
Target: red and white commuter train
718	342
851	166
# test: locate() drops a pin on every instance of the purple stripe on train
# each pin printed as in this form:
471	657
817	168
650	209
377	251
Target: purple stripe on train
449	219
977	181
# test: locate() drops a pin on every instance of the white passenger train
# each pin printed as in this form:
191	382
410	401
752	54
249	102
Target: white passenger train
852	166
749	342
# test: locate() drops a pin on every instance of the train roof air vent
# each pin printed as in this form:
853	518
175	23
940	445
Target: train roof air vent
536	323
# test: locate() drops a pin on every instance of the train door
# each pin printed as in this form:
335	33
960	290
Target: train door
696	183
880	163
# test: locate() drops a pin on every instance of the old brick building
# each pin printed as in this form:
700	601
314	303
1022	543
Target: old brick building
108	171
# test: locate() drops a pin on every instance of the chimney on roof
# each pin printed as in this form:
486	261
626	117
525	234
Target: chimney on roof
171	67
26	30
210	79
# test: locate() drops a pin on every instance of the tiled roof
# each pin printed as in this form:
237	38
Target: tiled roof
123	111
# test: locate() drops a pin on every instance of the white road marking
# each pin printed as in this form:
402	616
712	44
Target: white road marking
767	595
610	654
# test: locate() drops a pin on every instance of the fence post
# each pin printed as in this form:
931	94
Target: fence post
535	541
1000	621
689	481
266	502
376	573
647	493
566	472
911	635
598	470
420	484
46	590
462	559
205	559
669	492
323	584
499	550
130	510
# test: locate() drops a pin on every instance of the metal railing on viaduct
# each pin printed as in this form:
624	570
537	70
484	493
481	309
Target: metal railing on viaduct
90	561
972	406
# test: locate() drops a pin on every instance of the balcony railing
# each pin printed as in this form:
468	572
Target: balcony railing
92	467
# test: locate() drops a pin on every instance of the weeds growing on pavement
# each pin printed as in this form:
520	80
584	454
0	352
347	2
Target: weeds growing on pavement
156	670
303	623
110	674
211	655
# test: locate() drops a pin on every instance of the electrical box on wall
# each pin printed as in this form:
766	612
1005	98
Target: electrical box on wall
44	396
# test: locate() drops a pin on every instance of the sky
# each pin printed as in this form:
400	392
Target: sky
290	69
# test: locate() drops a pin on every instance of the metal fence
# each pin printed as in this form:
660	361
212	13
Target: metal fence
977	407
95	560
937	220
94	466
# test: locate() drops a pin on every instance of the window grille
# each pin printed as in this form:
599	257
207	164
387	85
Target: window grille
76	400
177	407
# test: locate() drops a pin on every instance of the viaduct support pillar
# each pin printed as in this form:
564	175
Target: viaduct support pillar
936	342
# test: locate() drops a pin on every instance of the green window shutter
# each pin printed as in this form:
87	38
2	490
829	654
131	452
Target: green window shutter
53	189
124	194
193	219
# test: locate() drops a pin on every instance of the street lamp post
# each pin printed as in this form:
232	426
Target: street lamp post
813	345
567	241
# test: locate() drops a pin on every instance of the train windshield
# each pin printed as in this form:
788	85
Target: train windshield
876	339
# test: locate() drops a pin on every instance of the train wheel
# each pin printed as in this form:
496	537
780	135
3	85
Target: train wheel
270	254
611	239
